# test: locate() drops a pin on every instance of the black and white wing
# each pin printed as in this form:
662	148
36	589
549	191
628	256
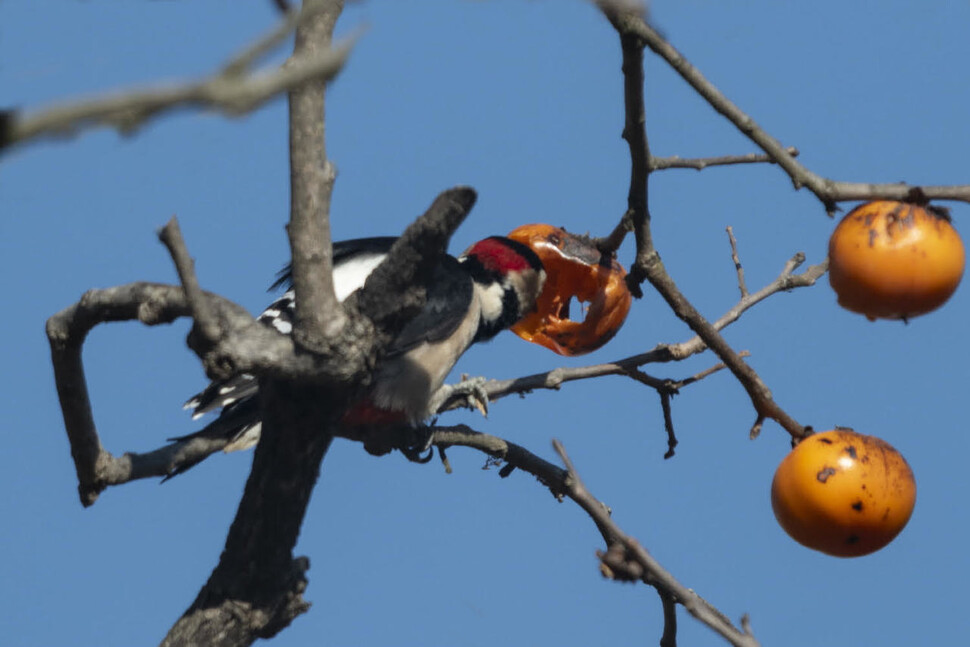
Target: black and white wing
353	261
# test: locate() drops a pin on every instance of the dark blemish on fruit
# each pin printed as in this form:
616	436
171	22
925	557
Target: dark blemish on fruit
857	506
850	450
853	539
825	440
873	235
824	474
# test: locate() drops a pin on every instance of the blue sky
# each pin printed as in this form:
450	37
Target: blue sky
521	100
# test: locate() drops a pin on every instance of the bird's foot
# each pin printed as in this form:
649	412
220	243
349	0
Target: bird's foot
469	393
420	440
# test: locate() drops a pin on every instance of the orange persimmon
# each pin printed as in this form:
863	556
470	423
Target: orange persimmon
895	260
843	493
574	270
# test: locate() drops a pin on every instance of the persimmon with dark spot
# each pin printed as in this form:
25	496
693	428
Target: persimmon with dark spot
895	260
843	493
575	271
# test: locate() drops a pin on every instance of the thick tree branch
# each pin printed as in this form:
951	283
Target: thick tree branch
230	91
151	304
161	304
241	345
257	588
395	291
319	316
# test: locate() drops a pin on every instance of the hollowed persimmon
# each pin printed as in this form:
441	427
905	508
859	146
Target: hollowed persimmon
575	271
843	493
895	260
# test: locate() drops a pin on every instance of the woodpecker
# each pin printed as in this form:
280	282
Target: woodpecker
470	299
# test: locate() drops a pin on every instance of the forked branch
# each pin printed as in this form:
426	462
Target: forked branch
828	191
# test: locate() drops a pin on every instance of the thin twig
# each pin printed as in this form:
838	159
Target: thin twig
737	262
653	573
555	378
264	45
669	637
608	245
668	424
205	322
701	163
707	371
756	427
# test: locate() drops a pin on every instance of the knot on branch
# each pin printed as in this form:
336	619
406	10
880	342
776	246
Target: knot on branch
617	563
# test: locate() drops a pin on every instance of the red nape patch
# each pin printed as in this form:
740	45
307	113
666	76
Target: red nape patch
498	254
366	414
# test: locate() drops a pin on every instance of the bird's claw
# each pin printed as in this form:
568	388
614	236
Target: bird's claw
469	393
419	447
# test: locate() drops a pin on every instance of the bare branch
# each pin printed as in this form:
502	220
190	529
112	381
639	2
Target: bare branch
249	56
648	266
150	303
701	163
829	192
756	427
560	483
609	244
319	315
669	637
228	91
784	282
707	371
737	262
257	588
555	378
202	315
668	423
408	268
634	560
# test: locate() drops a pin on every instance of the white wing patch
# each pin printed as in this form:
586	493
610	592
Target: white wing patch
351	274
283	326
